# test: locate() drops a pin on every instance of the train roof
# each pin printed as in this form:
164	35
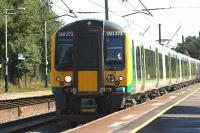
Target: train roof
154	45
108	25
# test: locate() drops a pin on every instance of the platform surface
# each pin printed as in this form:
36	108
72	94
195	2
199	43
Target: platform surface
13	96
135	118
182	118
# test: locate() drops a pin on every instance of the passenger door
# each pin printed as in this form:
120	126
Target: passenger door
89	59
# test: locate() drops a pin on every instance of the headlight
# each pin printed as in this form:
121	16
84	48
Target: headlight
120	78
111	78
68	79
58	79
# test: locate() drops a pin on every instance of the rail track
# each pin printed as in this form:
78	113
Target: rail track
46	123
49	122
26	124
19	108
36	114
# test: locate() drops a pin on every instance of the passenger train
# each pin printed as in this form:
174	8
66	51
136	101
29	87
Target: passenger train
96	68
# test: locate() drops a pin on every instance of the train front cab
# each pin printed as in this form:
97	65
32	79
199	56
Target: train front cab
80	83
120	73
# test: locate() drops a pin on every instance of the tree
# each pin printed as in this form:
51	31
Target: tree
26	34
191	46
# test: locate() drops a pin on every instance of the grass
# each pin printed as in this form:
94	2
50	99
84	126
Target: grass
33	85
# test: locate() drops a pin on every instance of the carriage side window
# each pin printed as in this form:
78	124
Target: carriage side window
160	65
178	68
64	53
173	66
138	63
187	68
192	68
150	64
114	53
182	69
167	65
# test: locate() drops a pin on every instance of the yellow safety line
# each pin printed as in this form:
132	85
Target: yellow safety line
159	114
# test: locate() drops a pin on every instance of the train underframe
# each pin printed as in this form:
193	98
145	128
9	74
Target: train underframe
107	102
101	103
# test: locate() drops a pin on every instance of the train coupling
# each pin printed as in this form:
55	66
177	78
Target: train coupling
88	105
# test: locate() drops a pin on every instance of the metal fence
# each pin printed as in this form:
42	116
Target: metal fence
38	71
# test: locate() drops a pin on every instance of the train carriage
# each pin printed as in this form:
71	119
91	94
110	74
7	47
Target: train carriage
96	68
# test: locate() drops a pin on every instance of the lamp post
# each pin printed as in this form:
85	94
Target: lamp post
6	53
46	49
46	60
6	44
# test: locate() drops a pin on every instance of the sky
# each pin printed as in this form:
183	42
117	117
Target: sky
183	14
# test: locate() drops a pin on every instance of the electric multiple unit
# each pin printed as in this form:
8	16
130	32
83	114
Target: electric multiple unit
96	67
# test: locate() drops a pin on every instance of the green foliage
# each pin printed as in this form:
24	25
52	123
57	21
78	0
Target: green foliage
26	33
190	47
33	85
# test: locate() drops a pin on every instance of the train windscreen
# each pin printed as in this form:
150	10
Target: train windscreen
114	53
64	53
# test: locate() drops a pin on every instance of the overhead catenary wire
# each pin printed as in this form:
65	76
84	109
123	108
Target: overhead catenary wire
88	12
140	11
174	35
62	16
130	22
145	31
145	8
134	13
134	9
150	9
104	8
193	7
60	7
176	32
70	10
122	11
113	12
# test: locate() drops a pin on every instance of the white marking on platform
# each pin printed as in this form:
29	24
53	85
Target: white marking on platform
127	117
115	124
172	97
156	104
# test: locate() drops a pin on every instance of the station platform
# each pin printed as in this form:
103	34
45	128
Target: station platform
167	111
182	118
13	96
